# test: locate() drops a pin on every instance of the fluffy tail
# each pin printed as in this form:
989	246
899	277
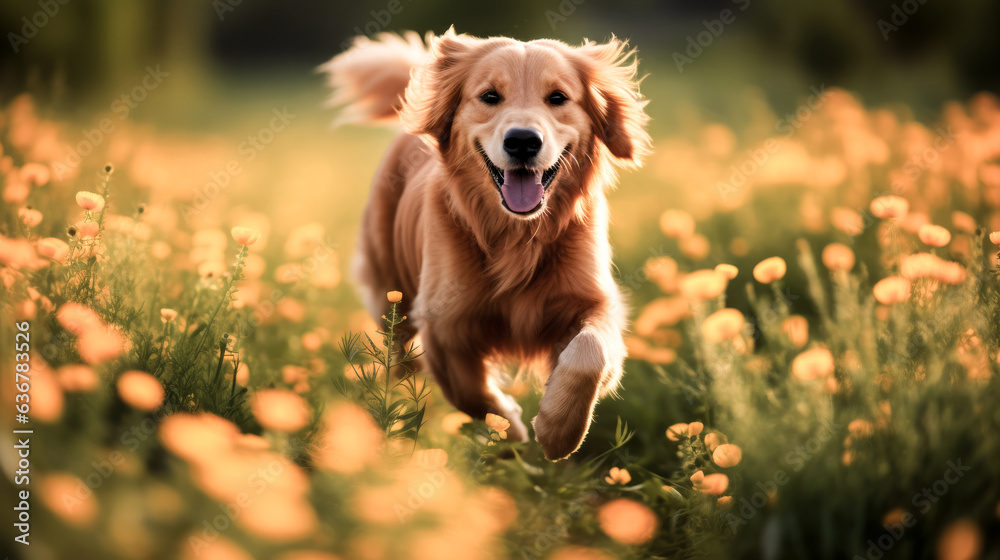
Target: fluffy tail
369	79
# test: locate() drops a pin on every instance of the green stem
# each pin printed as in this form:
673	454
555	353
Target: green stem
388	359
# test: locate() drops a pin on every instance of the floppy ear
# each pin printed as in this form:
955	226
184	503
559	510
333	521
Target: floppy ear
435	89
613	100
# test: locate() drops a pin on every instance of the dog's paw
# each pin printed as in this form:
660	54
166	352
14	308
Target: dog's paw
564	416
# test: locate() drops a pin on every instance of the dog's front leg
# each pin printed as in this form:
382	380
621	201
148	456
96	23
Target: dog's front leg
589	367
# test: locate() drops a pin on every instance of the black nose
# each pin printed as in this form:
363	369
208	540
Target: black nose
522	143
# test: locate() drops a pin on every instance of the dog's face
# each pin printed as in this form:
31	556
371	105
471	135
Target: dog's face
524	119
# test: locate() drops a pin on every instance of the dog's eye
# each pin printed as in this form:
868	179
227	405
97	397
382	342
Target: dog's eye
490	97
557	98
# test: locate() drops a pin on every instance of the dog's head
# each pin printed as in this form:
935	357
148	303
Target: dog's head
526	122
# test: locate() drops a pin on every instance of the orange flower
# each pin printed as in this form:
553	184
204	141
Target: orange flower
280	410
892	290
29	216
453	421
198	437
88	229
77	378
498	423
727	455
677	224
91	202
837	256
677	431
724	502
574	552
926	265
769	270
196	547
663	271
52	248
394	297
35	173
69	498
962	540
727	270
77	318
713	441
350	441
995	238
847	221
695	428
703	285
817	362
100	345
860	428
211	269
722	325
935	236
141	390
886	207
695	247
627	521
963	222
796	328
245	236
713	484
618	476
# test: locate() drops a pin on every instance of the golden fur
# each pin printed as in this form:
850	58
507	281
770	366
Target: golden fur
480	282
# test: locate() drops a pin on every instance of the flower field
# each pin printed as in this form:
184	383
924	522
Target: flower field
813	358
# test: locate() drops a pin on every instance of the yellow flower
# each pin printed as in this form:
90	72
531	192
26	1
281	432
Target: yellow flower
245	236
167	315
618	476
394	296
498	424
92	202
770	269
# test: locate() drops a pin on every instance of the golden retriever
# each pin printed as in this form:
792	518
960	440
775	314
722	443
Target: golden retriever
489	212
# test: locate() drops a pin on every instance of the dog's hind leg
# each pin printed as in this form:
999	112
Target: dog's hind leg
464	377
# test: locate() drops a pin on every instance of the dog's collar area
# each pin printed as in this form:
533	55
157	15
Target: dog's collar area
498	174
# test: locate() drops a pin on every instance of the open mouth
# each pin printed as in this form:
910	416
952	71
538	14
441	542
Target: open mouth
522	191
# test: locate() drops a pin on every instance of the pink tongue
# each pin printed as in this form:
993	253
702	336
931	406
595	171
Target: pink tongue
521	191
